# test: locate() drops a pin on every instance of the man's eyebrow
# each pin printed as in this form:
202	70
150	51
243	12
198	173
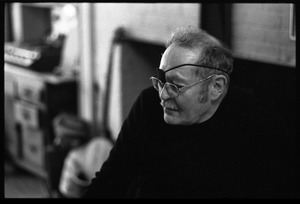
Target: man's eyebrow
175	78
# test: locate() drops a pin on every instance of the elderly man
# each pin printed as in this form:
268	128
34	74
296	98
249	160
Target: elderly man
191	136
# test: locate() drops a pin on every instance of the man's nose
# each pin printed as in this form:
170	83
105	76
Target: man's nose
164	95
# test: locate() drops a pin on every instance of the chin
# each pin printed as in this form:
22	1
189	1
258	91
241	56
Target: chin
171	120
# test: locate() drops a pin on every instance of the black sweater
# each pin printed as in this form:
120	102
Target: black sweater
243	151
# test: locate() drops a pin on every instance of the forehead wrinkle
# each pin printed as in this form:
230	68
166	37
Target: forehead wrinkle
177	77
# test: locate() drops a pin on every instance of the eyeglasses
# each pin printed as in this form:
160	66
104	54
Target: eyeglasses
172	89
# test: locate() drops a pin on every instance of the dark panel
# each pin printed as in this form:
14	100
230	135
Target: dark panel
274	85
139	62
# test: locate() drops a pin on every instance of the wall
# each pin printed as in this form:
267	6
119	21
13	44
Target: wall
151	23
139	62
7	23
29	22
261	32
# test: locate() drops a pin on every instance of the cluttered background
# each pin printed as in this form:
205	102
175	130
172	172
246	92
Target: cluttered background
73	70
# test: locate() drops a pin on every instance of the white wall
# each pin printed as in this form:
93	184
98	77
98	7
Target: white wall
261	32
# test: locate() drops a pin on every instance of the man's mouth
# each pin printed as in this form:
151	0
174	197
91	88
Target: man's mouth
168	106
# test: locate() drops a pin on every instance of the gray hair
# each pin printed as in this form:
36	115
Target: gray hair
213	52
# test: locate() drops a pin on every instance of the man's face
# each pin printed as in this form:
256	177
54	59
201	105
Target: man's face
191	106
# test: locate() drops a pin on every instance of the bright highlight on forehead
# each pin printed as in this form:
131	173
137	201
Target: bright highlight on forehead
185	73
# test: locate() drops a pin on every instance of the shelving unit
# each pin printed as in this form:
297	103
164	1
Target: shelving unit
34	97
32	100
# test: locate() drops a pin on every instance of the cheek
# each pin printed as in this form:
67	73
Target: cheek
190	107
193	106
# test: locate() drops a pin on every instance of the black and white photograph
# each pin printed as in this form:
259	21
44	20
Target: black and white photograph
150	100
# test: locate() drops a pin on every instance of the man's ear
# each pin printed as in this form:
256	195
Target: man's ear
218	86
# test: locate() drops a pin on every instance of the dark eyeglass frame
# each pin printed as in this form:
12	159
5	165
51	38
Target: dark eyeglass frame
159	85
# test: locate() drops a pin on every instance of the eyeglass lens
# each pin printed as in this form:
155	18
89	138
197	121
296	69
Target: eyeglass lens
171	88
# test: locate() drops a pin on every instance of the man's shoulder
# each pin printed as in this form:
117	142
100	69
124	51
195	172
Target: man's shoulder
244	101
253	113
148	91
148	99
149	95
245	110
